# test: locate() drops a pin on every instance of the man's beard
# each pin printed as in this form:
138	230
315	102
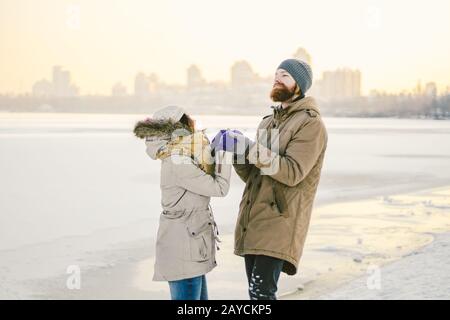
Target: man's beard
281	93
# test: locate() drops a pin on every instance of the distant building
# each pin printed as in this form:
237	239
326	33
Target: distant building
431	90
141	86
145	85
194	78
119	90
153	83
418	89
42	88
60	86
303	55
242	75
339	84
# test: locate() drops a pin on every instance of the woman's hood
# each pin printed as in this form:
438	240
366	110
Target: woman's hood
158	132
158	128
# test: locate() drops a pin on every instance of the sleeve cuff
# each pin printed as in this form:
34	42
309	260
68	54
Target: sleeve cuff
264	159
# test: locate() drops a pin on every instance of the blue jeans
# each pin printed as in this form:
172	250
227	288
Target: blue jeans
189	289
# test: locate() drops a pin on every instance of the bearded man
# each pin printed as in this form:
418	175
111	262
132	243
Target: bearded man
281	181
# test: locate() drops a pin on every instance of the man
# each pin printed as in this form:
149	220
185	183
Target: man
281	184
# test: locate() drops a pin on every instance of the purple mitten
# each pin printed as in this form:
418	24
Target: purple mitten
216	140
234	141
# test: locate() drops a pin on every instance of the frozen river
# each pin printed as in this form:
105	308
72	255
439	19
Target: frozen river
65	175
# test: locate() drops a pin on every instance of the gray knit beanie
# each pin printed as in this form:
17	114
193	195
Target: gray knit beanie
300	71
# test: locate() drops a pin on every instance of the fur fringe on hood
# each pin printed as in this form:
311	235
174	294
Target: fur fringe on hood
162	142
159	128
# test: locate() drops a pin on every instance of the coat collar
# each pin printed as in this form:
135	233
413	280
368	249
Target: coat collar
307	103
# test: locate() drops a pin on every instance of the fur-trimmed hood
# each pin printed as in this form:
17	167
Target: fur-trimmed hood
158	128
165	137
157	133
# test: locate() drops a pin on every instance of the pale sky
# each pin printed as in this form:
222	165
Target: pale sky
393	43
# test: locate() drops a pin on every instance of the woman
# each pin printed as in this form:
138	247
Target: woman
190	176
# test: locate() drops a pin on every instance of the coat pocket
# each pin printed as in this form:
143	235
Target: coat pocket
279	199
173	214
199	249
199	229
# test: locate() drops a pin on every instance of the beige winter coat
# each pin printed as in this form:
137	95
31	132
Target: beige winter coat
276	206
186	239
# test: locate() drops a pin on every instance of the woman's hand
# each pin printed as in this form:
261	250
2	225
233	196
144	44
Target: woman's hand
234	141
215	141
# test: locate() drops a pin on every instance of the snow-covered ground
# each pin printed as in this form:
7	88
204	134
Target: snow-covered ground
424	274
388	242
79	190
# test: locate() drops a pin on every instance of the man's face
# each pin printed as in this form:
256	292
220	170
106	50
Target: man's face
283	86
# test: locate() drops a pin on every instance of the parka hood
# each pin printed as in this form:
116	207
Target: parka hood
158	132
159	128
303	104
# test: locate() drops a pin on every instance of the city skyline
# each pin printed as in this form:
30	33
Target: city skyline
103	42
338	92
118	88
342	82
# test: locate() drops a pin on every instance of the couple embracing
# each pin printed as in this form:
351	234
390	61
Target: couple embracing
281	171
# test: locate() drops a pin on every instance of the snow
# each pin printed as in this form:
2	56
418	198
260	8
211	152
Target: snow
79	189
